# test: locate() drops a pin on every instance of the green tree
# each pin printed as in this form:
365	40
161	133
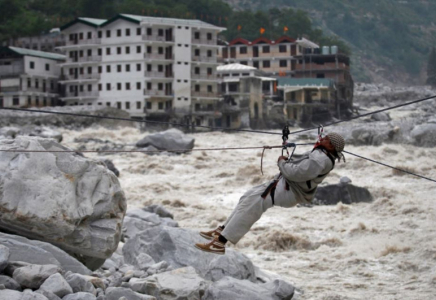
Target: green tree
431	68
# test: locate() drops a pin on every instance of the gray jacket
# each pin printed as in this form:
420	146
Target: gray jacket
305	173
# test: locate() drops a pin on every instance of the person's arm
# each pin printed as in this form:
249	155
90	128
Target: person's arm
305	170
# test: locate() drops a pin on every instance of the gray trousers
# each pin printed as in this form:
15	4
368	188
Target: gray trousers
251	206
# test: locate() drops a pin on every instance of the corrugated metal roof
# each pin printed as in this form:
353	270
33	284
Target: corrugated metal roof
172	21
316	82
93	21
29	52
235	67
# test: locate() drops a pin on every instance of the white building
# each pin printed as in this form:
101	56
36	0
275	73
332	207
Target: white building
28	77
159	68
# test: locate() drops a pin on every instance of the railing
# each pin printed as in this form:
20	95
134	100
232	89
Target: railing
158	93
83	42
315	67
85	59
157	38
81	94
204	41
204	76
158	56
205	58
9	89
158	74
205	94
93	76
11	71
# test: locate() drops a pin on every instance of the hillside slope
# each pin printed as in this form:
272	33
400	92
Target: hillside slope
390	39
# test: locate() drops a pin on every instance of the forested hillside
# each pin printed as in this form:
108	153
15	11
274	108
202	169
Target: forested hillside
390	39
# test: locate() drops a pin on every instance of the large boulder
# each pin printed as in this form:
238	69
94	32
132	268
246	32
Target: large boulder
4	257
176	246
424	135
83	202
343	192
172	139
183	283
37	252
230	288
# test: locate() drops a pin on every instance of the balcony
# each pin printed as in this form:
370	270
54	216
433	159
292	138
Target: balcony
84	59
154	38
204	42
204	94
9	89
80	77
94	41
163	75
11	71
155	56
212	59
204	76
87	94
158	93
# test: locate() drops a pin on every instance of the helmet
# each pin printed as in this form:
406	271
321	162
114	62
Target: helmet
338	142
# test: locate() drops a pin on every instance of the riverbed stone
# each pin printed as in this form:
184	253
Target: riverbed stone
171	139
32	276
57	285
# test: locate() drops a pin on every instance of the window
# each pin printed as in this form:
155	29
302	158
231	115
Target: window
197	70
160	86
197	52
127	105
197	87
127	68
36	100
209	71
282	48
119	105
138	49
138	85
149	49
89	53
209	53
99	87
138	105
119	86
138	67
118	50
99	52
283	63
89	35
243	50
160	105
256	64
118	32
160	50
47	67
108	104
127	86
100	69
160	68
89	70
244	63
149	31
81	53
108	86
89	87
266	64
197	35
148	105
32	65
138	31
81	36
148	85
29	82
209	36
15	100
108	33
71	37
127	31
108	69
52	85
127	50
160	32
149	67
108	51
29	101
36	83
209	89
100	34
81	88
118	68
265	49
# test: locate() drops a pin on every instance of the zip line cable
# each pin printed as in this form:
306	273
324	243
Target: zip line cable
211	127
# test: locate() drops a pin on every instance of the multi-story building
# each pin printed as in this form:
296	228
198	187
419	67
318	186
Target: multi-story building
45	42
158	68
273	57
28	77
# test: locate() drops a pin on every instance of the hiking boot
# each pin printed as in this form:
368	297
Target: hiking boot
210	235
215	246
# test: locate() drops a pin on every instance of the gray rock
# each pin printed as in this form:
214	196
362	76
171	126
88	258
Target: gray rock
159	210
230	288
80	296
182	283
143	215
172	139
169	222
9	283
4	257
424	135
115	293
132	226
158	267
144	261
32	276
345	193
9	132
176	246
10	295
83	207
48	295
13	265
110	165
30	295
45	132
345	180
79	283
381	116
37	252
57	285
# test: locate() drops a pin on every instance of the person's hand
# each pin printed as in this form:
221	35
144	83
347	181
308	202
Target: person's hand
282	157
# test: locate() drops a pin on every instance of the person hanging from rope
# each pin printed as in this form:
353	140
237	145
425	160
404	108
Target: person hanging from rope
296	183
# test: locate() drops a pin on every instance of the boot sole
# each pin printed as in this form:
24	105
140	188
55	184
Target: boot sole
219	253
